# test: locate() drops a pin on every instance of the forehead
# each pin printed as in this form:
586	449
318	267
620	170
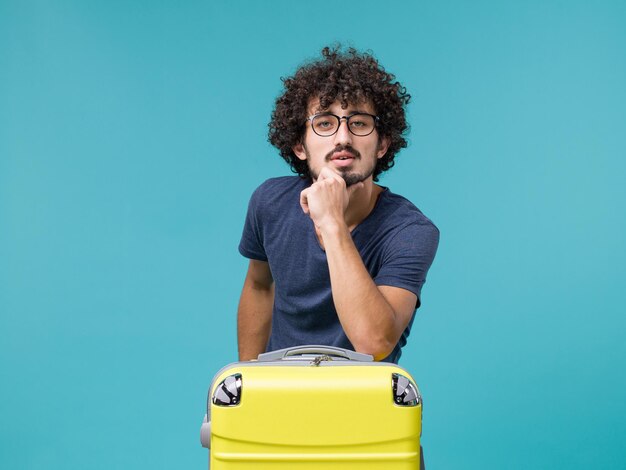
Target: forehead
335	107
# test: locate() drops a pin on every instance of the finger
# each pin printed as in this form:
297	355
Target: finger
304	202
327	173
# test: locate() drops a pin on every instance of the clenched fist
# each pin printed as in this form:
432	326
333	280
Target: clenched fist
326	200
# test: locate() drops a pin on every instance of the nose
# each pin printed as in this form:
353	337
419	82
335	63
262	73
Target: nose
343	135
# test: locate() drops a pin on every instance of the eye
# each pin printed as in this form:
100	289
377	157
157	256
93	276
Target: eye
323	123
361	121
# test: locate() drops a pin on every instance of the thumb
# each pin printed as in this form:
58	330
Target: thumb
304	201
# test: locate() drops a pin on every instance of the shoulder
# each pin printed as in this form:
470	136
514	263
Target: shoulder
275	198
275	189
404	215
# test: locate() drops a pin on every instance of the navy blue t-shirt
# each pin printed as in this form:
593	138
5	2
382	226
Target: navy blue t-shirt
396	242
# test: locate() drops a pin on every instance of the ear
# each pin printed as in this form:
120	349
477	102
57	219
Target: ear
383	145
298	149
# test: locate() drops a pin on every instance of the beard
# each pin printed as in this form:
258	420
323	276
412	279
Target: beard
350	176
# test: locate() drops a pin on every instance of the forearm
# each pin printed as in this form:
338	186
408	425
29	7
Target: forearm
254	320
373	317
367	318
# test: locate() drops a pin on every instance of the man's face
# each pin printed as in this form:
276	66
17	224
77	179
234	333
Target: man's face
353	157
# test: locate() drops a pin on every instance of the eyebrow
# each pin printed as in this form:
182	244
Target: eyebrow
355	111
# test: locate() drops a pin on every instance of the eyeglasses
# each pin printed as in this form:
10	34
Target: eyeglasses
327	124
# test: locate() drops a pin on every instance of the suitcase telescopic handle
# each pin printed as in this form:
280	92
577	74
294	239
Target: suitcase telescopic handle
316	350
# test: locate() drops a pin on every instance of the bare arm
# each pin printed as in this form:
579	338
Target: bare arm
254	316
373	317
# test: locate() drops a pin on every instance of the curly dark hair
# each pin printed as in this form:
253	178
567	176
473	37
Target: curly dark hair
349	77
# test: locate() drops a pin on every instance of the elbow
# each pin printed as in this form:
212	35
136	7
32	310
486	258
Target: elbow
377	346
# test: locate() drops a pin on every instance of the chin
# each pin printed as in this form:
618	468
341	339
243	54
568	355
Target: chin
354	178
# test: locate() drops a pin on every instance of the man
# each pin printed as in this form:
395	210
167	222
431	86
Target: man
335	259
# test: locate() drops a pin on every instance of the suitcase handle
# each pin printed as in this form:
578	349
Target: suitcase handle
317	350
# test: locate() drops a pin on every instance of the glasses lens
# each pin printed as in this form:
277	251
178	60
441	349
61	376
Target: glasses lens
325	124
361	124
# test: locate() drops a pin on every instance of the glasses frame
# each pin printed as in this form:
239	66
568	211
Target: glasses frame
347	118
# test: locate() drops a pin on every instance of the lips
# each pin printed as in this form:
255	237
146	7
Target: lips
344	155
342	159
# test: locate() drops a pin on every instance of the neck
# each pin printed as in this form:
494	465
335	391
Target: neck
362	203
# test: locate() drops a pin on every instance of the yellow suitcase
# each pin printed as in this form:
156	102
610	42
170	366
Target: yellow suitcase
313	407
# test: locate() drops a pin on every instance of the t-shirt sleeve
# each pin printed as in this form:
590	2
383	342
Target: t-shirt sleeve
251	244
408	256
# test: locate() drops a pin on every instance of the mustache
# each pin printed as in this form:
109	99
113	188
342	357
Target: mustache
343	148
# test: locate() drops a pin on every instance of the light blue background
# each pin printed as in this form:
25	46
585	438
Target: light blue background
132	134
